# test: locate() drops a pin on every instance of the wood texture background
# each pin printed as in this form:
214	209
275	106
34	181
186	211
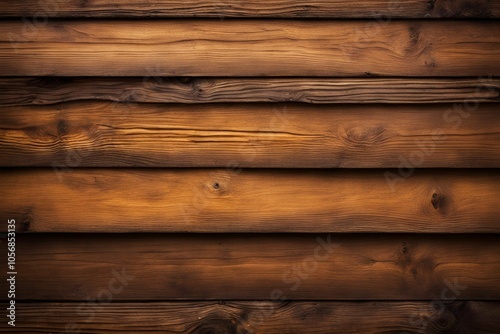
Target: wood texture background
250	48
250	167
104	134
252	267
221	200
52	90
262	317
255	8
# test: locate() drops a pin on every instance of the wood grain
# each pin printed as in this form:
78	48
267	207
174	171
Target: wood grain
250	48
52	90
155	200
450	317
254	8
58	267
110	134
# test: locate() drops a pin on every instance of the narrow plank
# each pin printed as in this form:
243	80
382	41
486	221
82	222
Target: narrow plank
53	90
254	8
448	316
111	134
250	48
154	200
58	267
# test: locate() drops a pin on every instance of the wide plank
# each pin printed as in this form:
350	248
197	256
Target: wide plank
228	200
430	317
113	134
52	90
131	267
377	9
153	48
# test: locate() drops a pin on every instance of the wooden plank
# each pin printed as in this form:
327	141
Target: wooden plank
250	48
107	200
260	317
50	90
254	8
58	267
104	134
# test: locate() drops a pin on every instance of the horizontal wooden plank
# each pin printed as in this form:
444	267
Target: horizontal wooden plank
107	200
430	317
250	48
253	8
50	90
111	134
159	267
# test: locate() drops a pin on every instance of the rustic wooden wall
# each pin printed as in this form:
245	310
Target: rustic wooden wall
228	166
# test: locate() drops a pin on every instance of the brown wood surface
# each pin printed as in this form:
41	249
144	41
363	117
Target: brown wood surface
253	8
430	317
250	48
51	90
232	166
154	200
158	267
111	134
